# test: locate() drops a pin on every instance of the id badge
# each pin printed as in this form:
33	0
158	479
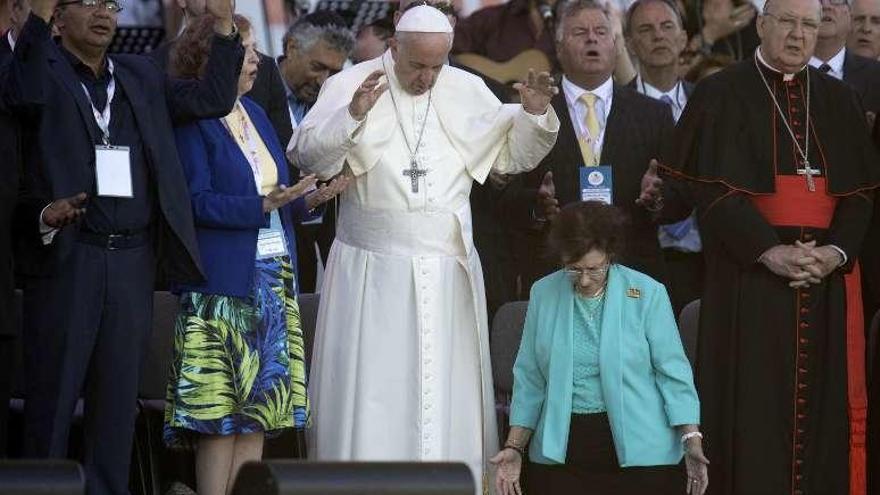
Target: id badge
596	184
270	242
113	172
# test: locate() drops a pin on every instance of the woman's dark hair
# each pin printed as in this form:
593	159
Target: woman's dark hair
581	227
190	53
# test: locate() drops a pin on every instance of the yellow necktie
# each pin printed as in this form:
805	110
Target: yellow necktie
591	120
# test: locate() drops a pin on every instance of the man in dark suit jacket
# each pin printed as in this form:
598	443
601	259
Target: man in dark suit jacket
656	37
834	59
90	258
631	133
9	171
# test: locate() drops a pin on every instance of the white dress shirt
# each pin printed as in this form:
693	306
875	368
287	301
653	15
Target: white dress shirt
676	95
835	62
578	109
11	40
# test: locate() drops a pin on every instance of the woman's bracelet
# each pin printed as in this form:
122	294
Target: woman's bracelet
688	436
517	449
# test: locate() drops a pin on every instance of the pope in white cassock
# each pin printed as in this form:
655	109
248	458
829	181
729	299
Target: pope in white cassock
400	367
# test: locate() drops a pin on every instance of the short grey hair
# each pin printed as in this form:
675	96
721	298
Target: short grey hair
306	35
572	8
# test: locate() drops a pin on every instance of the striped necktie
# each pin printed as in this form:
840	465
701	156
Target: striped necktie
591	121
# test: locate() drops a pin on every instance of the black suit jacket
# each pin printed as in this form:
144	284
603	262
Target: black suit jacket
268	90
5	49
863	74
638	129
45	94
9	171
270	94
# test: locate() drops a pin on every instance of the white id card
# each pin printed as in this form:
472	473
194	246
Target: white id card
113	171
270	243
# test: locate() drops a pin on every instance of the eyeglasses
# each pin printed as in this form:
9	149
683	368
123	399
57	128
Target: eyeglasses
810	26
593	273
114	6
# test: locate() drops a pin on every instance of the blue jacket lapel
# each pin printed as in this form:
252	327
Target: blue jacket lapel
610	346
560	366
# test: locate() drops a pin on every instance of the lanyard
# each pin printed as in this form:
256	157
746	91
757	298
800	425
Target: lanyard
103	118
251	154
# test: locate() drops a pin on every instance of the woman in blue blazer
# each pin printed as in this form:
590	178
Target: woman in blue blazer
603	394
239	370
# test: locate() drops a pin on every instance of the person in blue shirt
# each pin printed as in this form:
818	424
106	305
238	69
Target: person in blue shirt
239	371
603	394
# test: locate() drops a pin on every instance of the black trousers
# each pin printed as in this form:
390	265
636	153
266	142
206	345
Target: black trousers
7	378
591	466
309	236
684	277
86	333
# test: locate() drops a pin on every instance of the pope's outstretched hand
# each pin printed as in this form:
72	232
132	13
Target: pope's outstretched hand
366	95
537	92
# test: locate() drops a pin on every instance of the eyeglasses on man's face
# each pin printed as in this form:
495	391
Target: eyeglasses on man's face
789	24
114	6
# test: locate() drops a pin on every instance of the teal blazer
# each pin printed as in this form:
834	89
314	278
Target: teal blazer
646	379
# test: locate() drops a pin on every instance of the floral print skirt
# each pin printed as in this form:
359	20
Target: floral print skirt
239	364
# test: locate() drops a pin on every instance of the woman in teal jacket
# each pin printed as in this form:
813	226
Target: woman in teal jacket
602	387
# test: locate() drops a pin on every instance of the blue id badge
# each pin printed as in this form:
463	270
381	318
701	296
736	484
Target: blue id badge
596	184
271	242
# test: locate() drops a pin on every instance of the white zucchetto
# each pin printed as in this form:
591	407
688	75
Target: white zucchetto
424	19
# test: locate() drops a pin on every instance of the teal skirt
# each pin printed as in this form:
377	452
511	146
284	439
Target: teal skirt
239	364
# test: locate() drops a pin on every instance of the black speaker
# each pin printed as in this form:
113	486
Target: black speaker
41	478
353	478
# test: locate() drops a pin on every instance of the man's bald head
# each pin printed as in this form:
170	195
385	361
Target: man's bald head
788	30
419	58
864	38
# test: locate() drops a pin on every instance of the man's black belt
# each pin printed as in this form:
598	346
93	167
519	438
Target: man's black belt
113	242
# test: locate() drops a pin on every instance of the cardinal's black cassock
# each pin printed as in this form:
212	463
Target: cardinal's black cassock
780	371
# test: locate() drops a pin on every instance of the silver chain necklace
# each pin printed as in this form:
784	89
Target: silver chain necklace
413	172
808	172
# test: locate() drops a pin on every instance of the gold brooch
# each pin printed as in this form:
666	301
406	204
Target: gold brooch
633	293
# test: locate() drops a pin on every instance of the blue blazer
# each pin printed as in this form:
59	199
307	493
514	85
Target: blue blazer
227	207
646	380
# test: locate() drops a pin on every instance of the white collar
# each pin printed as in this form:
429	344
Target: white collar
785	77
648	90
11	40
573	92
835	62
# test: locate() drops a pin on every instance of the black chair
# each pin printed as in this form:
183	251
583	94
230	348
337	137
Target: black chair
151	462
507	328
41	478
356	478
689	328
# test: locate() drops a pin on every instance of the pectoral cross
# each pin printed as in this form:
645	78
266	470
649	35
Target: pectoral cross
809	172
414	173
